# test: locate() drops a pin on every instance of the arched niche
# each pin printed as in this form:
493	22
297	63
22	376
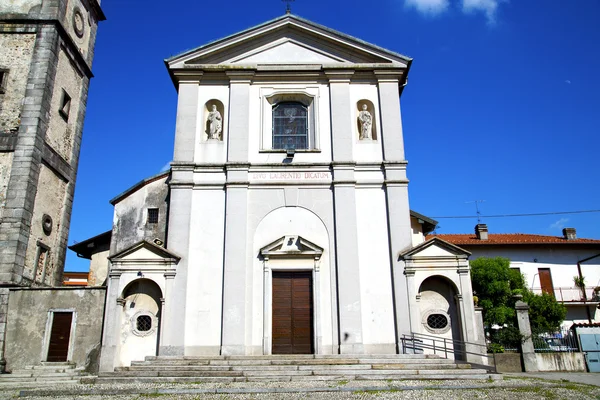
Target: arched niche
440	314
214	115
371	110
140	324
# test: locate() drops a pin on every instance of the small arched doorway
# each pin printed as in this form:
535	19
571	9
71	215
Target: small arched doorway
140	323
439	310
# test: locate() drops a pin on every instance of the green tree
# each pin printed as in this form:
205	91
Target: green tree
495	284
545	313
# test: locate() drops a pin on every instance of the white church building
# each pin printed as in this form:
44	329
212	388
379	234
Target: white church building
283	225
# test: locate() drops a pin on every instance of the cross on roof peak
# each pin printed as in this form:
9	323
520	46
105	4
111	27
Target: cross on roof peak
288	8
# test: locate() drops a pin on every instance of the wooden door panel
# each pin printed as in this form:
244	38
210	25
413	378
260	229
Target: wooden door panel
60	334
546	280
292	313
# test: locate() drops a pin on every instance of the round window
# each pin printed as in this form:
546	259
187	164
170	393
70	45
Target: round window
143	323
437	321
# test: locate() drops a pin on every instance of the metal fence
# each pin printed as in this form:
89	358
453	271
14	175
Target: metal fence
564	341
571	294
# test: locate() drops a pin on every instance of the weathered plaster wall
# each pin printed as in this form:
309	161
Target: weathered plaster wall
15	55
131	214
5	168
98	268
28	313
61	132
50	199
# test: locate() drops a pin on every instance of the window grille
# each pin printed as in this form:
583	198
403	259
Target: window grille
437	321
153	215
290	126
143	323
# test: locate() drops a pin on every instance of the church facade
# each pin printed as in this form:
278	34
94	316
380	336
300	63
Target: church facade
283	225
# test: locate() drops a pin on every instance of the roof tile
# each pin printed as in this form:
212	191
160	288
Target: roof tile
510	238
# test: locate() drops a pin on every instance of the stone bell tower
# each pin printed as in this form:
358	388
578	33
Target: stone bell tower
46	52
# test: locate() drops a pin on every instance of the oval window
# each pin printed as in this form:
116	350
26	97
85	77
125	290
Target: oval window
143	323
437	321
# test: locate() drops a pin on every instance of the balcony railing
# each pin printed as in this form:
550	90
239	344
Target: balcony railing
570	294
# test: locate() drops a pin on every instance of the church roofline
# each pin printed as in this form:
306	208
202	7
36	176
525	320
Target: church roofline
138	186
290	17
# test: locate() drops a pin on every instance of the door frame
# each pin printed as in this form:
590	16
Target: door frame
268	302
48	331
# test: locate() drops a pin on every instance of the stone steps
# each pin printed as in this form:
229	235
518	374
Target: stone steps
287	368
45	373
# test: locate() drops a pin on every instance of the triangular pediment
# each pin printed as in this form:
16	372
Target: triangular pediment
288	40
291	246
435	248
286	51
144	250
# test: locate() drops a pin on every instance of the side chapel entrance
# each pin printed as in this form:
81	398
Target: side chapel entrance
60	335
292	313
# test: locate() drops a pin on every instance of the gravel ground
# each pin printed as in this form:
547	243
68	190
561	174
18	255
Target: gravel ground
510	388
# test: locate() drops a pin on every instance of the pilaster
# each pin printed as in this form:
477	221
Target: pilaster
179	227
239	115
342	131
398	211
391	120
187	117
112	323
347	261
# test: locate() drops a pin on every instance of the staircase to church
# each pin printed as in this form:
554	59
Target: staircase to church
290	368
46	373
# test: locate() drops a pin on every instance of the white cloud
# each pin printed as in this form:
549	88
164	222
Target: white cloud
428	7
488	7
559	224
568	81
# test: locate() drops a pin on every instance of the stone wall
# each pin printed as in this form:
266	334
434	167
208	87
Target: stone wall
29	311
49	200
62	127
15	56
20	6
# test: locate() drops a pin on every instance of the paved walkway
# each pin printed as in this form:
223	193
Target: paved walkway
588	378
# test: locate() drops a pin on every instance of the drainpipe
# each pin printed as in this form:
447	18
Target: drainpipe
587	309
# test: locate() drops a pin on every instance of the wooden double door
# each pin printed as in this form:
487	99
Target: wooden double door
292	313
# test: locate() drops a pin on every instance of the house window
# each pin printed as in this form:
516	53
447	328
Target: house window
3	80
290	126
153	215
65	105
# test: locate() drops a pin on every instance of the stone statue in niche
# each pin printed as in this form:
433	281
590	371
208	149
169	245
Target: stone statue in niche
366	123
215	124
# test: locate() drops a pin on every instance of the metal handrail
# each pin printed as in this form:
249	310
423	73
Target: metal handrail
458	346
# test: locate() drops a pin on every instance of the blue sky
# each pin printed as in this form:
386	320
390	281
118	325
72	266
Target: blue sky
502	103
